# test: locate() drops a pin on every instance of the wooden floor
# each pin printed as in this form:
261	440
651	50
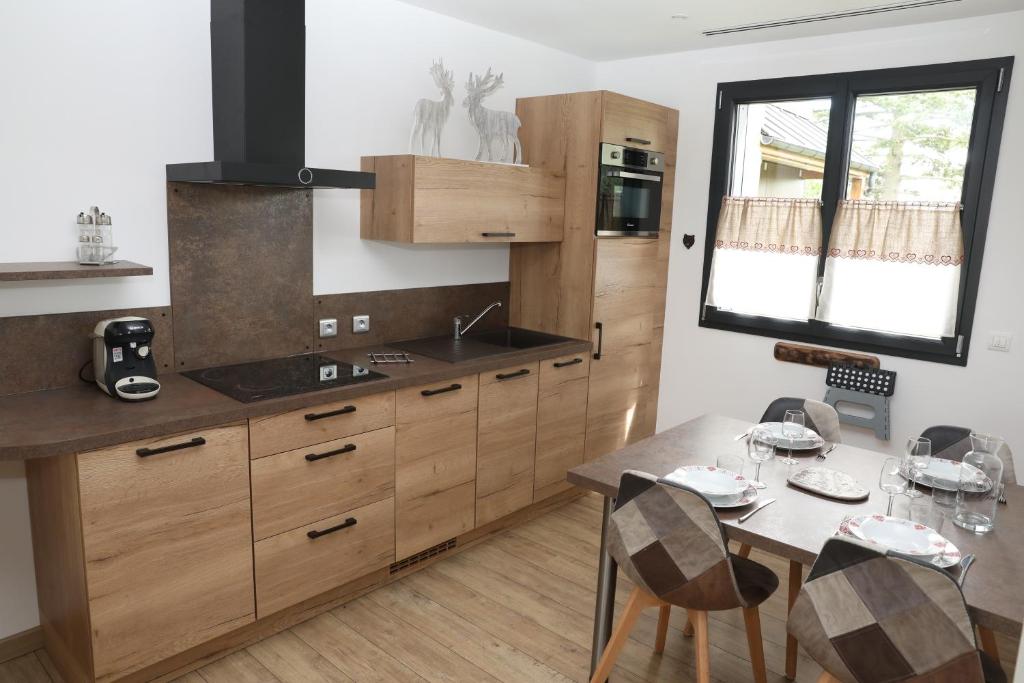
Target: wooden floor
518	607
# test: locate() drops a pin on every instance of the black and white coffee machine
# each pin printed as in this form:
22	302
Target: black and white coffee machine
122	357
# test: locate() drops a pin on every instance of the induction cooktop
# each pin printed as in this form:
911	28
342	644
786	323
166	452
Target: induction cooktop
260	380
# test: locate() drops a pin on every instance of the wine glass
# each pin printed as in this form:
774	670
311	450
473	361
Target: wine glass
919	456
792	428
891	481
760	449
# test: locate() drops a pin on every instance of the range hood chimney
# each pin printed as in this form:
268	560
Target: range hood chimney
258	57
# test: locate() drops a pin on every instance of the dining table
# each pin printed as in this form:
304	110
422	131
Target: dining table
799	522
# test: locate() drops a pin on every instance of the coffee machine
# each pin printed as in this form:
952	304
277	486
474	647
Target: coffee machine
122	357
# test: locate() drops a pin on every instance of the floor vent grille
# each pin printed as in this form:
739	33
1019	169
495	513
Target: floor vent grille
423	555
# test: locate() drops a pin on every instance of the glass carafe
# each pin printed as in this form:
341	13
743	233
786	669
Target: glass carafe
981	477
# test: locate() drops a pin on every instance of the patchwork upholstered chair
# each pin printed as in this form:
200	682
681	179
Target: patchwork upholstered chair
868	617
669	542
953	443
821	417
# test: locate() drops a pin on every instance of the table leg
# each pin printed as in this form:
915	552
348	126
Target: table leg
604	608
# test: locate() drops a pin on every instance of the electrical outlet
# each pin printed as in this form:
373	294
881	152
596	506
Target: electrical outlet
360	324
328	327
1000	341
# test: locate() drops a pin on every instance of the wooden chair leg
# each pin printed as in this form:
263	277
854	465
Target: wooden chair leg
744	550
826	677
752	619
988	642
663	617
796	577
688	629
702	646
639	599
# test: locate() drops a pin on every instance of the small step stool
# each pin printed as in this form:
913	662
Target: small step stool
868	387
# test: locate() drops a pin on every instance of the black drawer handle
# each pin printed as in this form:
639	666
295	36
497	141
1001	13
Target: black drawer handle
146	452
639	141
497	234
512	375
331	413
317	533
347	448
600	339
442	390
567	363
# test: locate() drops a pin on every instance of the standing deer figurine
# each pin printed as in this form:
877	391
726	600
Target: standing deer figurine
430	116
492	126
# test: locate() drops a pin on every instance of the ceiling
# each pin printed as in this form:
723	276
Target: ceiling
616	29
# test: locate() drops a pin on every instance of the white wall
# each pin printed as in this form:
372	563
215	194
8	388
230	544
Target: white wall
715	371
147	67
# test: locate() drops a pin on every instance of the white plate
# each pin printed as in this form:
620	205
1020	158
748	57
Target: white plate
945	475
904	537
710	480
734	501
809	441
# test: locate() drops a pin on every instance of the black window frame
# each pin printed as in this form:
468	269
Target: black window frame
991	78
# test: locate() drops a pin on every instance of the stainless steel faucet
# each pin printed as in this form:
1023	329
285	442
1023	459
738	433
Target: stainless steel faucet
459	330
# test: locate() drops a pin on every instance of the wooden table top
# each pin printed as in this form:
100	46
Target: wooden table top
799	523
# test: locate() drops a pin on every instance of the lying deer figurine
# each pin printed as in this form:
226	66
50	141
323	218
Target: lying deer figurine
492	126
430	116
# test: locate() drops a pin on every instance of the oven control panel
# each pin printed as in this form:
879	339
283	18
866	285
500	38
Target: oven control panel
629	157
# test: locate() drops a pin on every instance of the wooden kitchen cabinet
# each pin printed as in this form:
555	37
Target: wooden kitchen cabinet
635	123
149	552
561	422
435	463
506	441
429	200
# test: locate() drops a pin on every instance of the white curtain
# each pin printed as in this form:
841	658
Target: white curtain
894	267
766	257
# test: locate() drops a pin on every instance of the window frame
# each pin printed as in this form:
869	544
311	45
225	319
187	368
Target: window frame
991	78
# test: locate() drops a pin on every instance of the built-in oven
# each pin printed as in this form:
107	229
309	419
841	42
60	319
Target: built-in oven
629	192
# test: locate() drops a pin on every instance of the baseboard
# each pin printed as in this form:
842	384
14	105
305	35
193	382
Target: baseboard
21	644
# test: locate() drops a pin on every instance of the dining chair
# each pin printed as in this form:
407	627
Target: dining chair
953	443
867	616
669	542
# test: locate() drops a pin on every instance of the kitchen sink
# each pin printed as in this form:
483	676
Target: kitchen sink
479	345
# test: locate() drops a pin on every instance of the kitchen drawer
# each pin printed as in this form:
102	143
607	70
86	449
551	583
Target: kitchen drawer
557	371
167	537
292	567
435	463
308	426
506	441
301	486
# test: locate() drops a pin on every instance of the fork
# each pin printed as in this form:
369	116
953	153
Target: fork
821	456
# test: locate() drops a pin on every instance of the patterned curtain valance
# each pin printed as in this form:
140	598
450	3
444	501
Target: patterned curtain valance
905	232
769	224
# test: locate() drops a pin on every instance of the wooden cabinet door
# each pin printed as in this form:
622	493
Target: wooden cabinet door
435	463
506	442
167	536
628	296
635	123
561	422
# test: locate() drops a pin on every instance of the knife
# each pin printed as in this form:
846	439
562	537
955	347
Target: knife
743	435
759	507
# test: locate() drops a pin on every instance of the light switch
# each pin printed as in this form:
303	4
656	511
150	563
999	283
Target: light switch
1000	341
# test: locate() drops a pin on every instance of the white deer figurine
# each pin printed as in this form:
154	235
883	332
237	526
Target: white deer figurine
492	126
430	116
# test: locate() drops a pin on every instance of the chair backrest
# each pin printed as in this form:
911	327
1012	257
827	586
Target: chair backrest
669	541
953	443
869	617
819	416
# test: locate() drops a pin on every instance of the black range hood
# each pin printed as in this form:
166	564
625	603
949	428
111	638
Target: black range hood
258	57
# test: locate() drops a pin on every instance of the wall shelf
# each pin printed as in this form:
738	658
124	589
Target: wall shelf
67	270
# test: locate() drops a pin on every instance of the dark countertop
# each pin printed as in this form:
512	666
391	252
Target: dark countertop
81	418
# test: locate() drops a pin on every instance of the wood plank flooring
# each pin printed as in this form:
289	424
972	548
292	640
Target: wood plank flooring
518	607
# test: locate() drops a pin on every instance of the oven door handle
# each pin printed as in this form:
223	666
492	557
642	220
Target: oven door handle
635	176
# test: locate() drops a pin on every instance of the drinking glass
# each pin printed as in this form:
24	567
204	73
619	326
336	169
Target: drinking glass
919	456
730	461
760	449
891	481
792	428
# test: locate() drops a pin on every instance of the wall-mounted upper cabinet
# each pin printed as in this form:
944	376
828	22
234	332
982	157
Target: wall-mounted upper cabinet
635	123
429	200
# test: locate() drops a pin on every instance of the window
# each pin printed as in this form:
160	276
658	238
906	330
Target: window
850	209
